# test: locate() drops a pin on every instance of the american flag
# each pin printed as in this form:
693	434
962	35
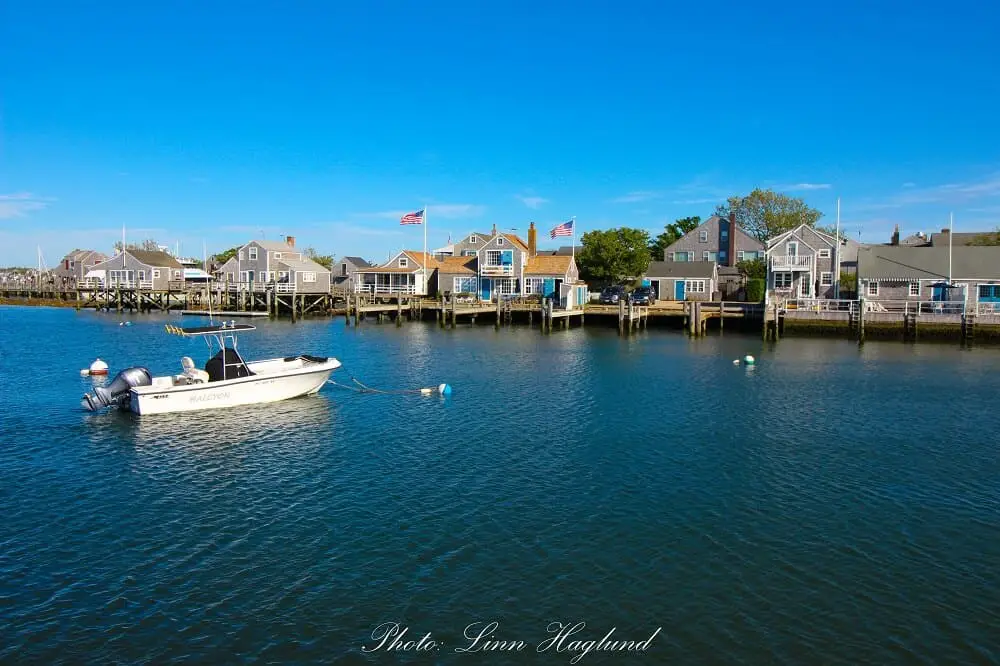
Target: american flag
564	229
413	218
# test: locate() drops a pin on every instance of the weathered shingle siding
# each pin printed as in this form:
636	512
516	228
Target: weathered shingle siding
519	255
467	244
691	241
666	289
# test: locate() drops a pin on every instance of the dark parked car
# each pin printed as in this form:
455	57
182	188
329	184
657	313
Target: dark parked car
643	296
611	295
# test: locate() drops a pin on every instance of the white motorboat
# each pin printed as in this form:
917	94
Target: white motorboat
226	381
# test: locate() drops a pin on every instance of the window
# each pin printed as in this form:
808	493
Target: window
231	277
722	255
465	285
493	257
694	287
782	281
253	253
725	234
309	276
264	276
404	262
142	275
282	276
914	289
277	255
343	269
826	279
747	255
703	236
534	285
506	286
473	239
707	256
805	285
683	256
824	254
872	289
989	293
500	240
469	253
156	273
240	255
178	275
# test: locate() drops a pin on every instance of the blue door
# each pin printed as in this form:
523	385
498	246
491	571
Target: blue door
940	292
678	290
549	288
645	283
507	259
486	285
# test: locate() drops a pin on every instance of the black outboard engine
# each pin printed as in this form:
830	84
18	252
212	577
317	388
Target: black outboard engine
116	394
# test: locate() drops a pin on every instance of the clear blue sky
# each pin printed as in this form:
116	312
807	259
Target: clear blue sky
219	121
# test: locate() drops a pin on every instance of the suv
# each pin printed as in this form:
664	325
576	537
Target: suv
611	295
643	296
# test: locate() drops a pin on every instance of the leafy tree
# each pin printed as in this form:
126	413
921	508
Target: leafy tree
755	290
671	234
614	254
848	281
989	238
753	269
324	260
226	255
765	213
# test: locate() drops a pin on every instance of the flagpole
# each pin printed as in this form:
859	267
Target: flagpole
837	277
572	239
951	228
425	251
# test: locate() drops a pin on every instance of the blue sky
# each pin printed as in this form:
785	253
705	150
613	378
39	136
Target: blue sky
194	122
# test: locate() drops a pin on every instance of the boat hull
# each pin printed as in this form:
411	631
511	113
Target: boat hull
256	389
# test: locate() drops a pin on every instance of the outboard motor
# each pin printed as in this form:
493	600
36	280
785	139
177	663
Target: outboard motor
116	394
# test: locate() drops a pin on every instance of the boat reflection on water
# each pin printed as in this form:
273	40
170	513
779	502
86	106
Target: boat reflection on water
296	421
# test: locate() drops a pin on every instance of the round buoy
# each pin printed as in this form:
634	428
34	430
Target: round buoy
749	360
98	367
128	323
444	389
736	362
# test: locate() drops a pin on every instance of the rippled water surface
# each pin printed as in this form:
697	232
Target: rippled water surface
830	505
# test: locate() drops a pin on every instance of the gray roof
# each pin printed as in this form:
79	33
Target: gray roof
357	261
303	265
881	262
681	269
915	240
155	258
274	246
959	238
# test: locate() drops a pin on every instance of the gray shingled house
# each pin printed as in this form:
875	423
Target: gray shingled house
262	263
145	269
683	280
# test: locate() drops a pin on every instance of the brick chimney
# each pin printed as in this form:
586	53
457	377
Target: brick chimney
731	249
532	240
290	240
494	229
946	231
895	236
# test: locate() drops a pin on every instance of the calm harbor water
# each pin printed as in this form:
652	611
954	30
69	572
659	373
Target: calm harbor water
830	505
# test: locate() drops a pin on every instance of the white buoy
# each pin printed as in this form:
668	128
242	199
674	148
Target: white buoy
736	362
748	359
84	372
98	367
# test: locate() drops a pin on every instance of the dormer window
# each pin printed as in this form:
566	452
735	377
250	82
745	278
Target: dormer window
500	240
404	262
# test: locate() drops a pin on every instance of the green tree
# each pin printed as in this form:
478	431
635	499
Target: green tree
989	238
765	213
613	255
671	234
848	281
324	260
753	269
226	255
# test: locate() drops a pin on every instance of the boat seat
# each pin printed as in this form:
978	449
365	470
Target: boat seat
192	373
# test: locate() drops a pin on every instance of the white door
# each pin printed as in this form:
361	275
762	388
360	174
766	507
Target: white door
805	285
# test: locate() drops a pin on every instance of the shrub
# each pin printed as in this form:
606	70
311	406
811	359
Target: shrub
755	290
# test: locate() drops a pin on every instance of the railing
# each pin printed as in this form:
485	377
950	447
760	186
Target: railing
791	262
917	307
988	309
145	284
385	289
820	305
506	269
285	287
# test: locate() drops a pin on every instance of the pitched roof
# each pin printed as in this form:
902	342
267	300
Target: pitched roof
881	262
303	265
681	269
155	258
274	246
357	261
457	265
416	261
960	238
548	265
